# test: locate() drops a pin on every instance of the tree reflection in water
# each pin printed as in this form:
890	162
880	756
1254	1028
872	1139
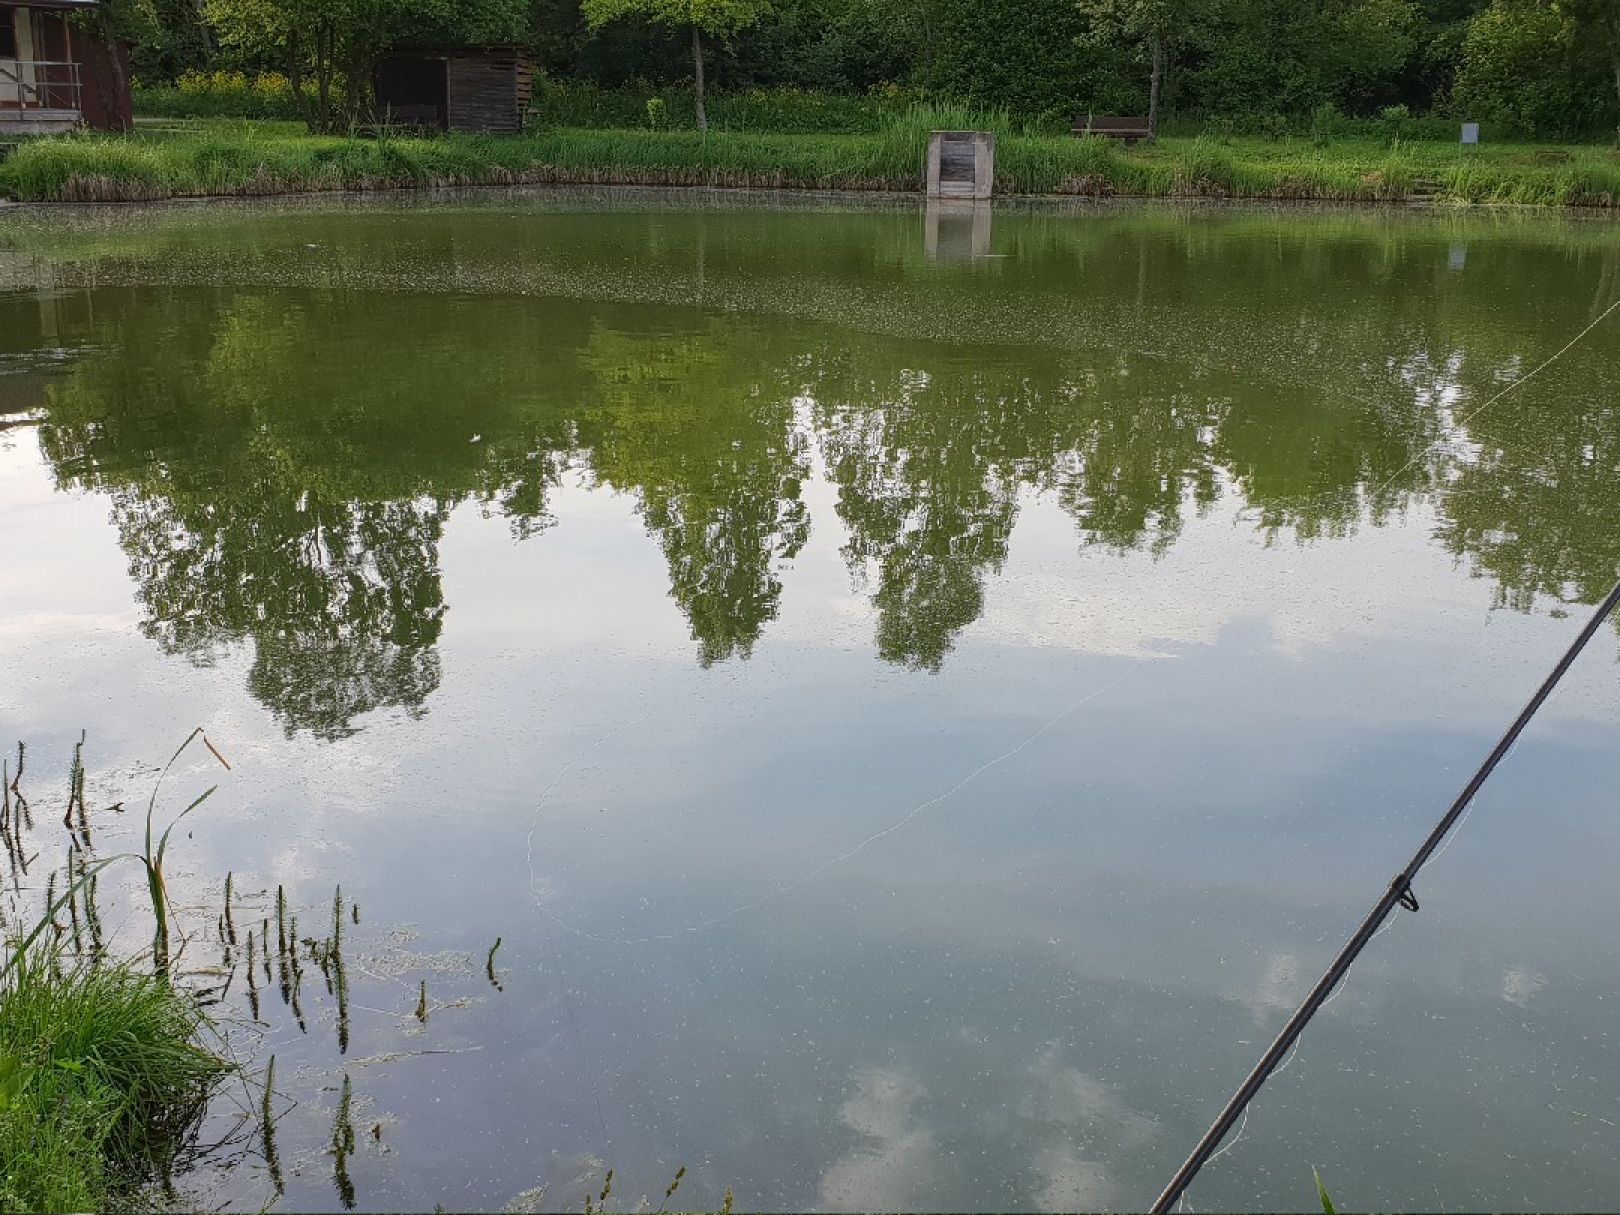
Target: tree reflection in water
281	463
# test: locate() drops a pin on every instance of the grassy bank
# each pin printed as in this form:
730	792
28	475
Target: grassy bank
101	1081
209	159
102	1075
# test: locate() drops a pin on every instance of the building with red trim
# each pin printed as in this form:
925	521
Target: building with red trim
57	73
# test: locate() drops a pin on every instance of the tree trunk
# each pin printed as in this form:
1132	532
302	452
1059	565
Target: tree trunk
1156	81
323	78
354	96
1617	90
295	79
205	32
697	76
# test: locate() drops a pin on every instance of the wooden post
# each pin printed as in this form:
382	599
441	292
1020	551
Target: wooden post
75	77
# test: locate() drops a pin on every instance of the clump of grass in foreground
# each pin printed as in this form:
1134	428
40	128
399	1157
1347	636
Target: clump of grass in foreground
243	159
101	1080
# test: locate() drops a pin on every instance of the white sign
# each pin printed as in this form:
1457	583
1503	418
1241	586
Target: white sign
1470	132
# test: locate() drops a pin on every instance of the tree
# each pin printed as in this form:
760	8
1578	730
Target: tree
1527	65
319	42
113	23
717	18
182	41
1158	26
1368	46
1597	24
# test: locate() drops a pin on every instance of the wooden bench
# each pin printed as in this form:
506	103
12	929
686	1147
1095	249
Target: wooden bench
1114	126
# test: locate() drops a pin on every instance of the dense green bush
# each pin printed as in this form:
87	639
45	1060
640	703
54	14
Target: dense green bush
1524	69
572	103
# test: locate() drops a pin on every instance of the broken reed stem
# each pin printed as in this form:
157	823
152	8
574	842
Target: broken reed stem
343	1145
339	977
75	802
253	986
22	815
73	905
92	913
267	1128
230	924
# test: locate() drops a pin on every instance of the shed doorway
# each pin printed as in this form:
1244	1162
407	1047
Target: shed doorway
414	92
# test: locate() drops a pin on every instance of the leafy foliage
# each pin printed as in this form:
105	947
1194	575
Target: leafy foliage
100	1080
719	18
1526	67
1543	68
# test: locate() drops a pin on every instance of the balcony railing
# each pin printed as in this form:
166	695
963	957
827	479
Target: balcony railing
37	85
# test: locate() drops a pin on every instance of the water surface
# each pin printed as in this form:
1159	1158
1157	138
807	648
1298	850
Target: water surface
918	697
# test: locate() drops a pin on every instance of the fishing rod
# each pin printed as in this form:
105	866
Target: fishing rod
1399	894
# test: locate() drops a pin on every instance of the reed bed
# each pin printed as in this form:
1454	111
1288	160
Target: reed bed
245	159
102	1077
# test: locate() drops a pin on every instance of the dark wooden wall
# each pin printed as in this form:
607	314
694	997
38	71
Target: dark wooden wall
104	69
490	90
104	96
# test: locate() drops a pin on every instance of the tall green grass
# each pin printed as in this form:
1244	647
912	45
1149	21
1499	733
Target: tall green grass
102	1077
101	1080
245	159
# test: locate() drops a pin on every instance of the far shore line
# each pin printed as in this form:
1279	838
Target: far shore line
244	162
914	195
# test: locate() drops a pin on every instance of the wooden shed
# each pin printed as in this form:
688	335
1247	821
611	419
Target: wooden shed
485	89
54	75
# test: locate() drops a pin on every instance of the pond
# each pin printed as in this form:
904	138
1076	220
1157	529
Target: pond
918	697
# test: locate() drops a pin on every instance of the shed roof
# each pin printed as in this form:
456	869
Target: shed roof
443	52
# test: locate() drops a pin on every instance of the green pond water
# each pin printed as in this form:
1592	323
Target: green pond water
918	697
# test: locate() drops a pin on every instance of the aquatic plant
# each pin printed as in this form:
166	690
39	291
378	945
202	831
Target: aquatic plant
102	1077
1322	1194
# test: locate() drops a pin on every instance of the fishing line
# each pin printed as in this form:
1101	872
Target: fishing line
1399	894
545	794
1456	425
788	887
804	879
567	991
1468	417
